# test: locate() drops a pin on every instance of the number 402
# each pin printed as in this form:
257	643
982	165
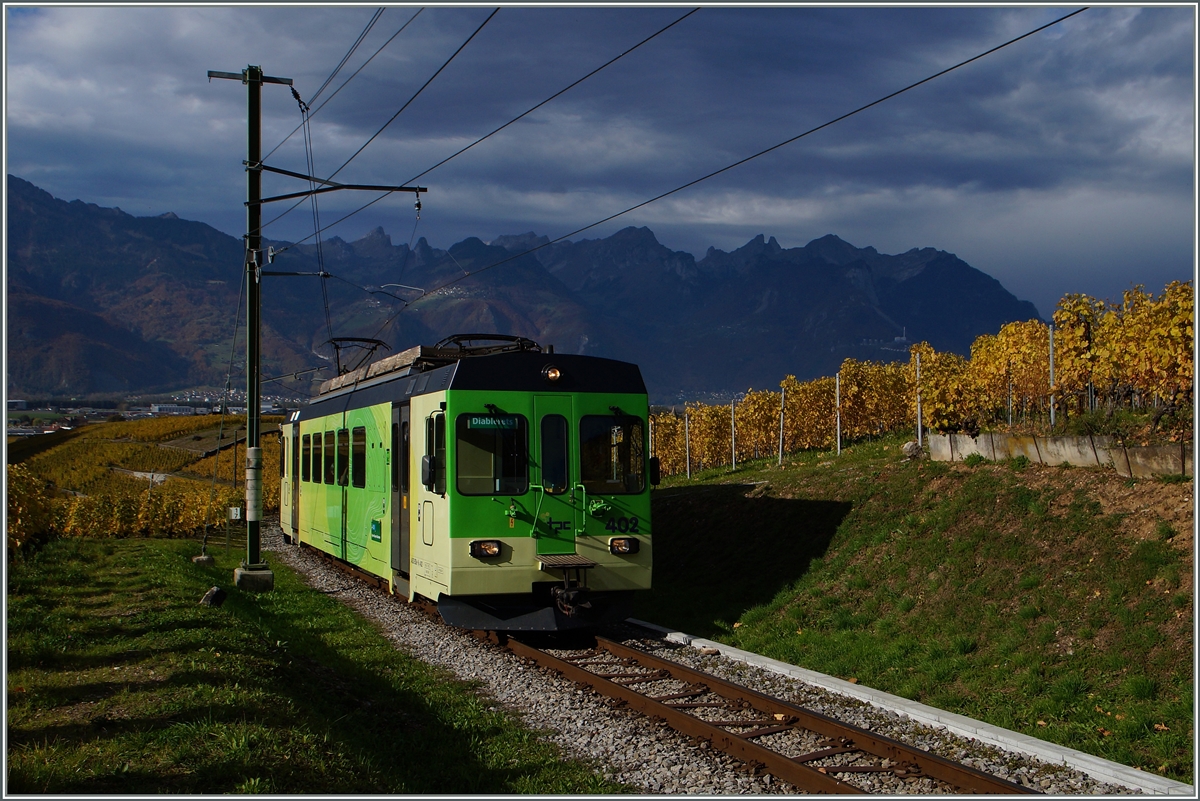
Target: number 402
625	525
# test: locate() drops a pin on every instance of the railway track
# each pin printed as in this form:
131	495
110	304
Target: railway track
811	751
717	751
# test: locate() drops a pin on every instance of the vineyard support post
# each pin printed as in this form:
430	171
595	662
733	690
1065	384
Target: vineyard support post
837	405
1010	390
687	444
150	502
920	442
782	400
1052	377
733	431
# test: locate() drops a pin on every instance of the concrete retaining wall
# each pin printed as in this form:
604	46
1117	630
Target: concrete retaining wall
1090	451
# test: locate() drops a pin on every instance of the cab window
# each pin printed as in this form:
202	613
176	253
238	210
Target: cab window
611	454
493	454
554	453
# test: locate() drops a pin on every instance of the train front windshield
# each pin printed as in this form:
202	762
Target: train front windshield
612	454
493	455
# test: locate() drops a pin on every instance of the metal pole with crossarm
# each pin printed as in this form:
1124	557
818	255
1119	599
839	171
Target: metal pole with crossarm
254	573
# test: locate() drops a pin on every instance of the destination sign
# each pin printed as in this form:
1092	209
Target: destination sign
492	422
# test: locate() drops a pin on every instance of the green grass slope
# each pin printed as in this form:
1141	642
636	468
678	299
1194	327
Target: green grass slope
120	683
1056	602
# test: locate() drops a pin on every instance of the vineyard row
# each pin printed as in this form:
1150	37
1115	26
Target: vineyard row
1094	358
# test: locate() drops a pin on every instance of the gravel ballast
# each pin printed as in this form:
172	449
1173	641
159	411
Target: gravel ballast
629	748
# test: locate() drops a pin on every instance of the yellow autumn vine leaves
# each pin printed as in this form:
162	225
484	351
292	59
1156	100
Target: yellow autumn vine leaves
1136	352
74	489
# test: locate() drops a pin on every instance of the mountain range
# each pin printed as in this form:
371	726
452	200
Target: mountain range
102	302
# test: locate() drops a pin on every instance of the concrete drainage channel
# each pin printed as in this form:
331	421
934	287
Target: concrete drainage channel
1100	769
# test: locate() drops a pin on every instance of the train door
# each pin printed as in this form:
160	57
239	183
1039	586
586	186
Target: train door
285	481
560	505
401	450
343	483
430	558
334	513
435	458
362	498
295	479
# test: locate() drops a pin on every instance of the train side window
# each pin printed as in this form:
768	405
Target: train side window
395	457
305	457
493	454
555	456
318	463
435	446
343	457
316	458
405	453
358	457
283	456
330	451
440	441
612	454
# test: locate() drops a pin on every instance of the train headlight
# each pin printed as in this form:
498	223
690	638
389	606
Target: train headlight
482	549
623	545
551	373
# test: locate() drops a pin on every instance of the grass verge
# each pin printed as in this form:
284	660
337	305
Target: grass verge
119	682
1055	602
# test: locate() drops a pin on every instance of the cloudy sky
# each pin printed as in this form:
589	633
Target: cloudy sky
1062	163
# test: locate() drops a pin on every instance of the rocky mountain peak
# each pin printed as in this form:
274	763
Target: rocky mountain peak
835	250
375	236
741	259
519	243
735	320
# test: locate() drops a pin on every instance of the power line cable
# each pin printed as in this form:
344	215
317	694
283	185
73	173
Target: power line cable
553	96
333	224
416	95
312	170
611	217
370	24
562	91
386	124
340	88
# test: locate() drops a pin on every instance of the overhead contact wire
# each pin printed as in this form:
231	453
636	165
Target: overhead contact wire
562	91
370	24
417	94
340	88
715	173
312	169
385	125
607	64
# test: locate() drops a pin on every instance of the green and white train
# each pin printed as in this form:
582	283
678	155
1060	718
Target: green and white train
509	484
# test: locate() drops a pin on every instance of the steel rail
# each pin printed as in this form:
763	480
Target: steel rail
773	715
770	716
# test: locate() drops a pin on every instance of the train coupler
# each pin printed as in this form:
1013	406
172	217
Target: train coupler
571	601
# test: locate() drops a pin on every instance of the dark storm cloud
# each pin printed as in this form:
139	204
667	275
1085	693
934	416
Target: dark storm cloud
1062	163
